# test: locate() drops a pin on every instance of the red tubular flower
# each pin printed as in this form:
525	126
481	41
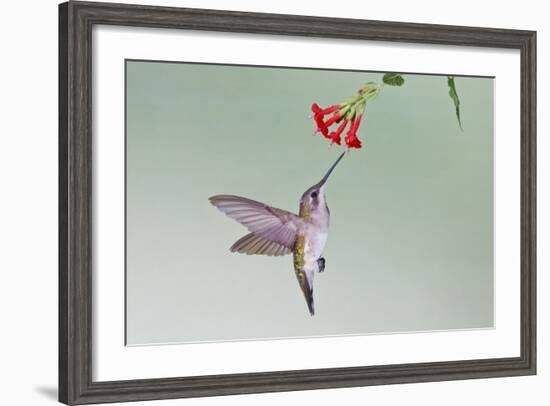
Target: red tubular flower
335	136
335	118
351	136
316	109
319	117
323	112
352	141
321	127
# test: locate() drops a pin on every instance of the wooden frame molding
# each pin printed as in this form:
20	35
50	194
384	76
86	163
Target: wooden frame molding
76	20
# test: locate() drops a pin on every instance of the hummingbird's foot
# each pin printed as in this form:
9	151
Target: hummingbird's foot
321	264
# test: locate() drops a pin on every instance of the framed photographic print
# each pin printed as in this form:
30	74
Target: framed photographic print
257	202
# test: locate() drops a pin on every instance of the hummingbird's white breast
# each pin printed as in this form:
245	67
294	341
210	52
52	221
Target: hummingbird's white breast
314	244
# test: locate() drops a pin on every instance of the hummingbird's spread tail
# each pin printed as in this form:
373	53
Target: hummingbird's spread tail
306	284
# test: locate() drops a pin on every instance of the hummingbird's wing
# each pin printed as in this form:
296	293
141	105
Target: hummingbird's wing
251	244
266	222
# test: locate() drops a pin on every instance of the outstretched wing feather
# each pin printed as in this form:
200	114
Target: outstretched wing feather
269	223
252	244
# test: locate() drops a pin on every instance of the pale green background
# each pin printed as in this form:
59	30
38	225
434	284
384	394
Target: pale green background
411	241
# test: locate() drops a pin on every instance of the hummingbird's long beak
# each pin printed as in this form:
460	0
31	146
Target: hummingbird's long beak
331	169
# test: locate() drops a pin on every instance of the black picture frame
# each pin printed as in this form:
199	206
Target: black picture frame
76	20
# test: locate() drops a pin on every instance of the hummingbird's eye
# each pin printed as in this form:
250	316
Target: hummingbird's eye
314	195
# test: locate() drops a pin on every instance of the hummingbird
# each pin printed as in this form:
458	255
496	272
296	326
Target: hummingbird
277	232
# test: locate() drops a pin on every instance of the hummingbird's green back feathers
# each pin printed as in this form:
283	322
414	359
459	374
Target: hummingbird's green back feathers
305	279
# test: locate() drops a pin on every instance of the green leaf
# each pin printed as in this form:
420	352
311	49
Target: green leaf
454	97
393	79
